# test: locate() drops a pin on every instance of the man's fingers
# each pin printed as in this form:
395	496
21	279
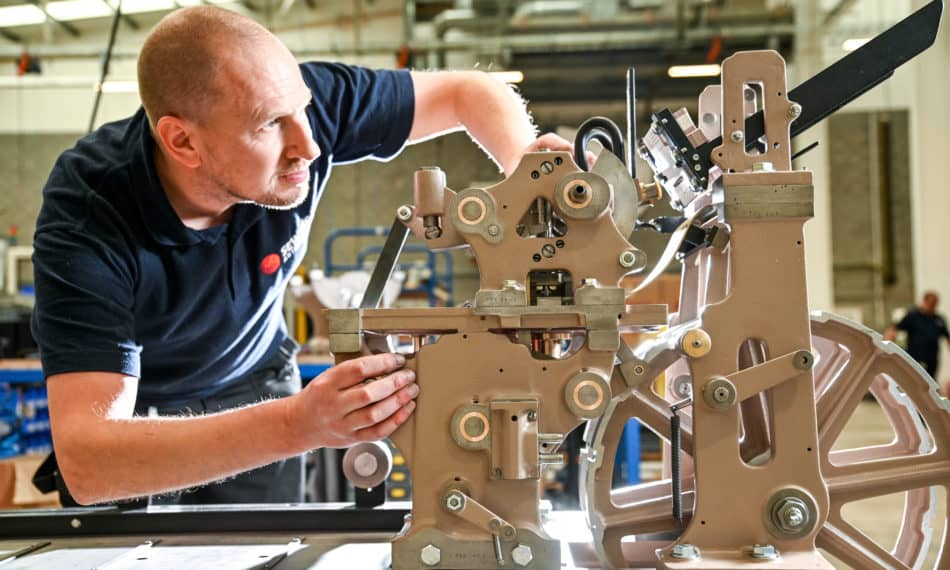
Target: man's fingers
380	411
365	394
386	427
354	371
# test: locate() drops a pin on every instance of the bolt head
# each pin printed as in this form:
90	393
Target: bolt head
737	136
404	213
430	555
764	551
493	230
547	167
795	110
522	555
685	551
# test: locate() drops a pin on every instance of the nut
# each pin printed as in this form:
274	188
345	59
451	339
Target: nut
430	555
522	555
455	501
791	514
628	258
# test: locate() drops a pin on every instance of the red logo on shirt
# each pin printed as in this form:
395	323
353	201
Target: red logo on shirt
270	264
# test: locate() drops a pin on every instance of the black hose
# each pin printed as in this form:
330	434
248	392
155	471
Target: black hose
675	467
604	131
105	65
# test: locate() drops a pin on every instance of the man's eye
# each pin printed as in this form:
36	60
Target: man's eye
271	124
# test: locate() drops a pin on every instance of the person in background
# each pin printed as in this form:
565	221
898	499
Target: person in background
924	328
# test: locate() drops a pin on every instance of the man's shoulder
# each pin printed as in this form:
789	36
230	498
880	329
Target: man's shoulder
97	168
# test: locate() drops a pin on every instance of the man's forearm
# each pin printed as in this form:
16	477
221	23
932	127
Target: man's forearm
114	459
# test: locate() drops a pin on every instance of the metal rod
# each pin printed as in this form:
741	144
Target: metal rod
632	122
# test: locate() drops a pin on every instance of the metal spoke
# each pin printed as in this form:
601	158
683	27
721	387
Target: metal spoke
837	405
885	476
851	546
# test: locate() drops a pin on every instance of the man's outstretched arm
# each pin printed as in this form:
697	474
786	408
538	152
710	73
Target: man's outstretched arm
492	113
106	454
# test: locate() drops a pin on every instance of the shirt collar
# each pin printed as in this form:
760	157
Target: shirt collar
163	223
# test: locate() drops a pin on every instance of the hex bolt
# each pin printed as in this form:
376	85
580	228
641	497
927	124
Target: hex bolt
764	552
795	110
494	230
404	213
685	551
522	555
455	501
628	258
737	136
430	555
547	167
792	516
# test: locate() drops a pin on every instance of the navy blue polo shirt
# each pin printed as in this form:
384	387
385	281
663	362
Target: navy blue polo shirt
923	334
123	286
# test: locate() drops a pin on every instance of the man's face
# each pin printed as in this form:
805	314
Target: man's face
257	143
929	304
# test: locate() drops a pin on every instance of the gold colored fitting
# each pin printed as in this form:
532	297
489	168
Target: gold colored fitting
696	343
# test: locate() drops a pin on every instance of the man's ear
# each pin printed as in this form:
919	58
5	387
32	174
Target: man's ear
178	139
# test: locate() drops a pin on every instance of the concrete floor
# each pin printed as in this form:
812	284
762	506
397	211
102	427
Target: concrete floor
880	518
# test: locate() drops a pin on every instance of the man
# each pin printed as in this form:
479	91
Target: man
924	327
165	243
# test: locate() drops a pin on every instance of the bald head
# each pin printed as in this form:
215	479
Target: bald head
184	61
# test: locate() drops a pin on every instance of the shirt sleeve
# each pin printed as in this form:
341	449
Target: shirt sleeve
905	323
358	112
83	319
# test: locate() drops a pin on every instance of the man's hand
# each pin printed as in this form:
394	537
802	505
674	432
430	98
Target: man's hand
555	142
340	407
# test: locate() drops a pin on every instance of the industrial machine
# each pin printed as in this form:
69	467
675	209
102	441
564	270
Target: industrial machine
758	391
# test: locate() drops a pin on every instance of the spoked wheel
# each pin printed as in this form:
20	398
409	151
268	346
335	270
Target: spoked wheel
628	524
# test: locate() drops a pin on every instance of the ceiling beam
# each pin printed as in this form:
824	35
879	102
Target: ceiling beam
70	29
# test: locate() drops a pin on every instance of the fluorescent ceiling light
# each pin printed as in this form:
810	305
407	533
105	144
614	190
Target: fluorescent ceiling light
111	86
708	70
854	43
78	9
508	76
21	15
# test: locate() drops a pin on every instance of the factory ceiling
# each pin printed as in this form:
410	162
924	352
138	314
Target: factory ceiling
567	50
